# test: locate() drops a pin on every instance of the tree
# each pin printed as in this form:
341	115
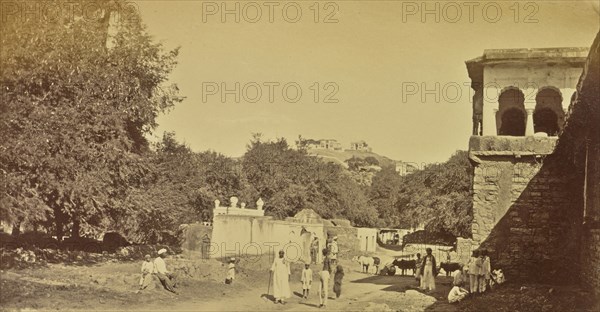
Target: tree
289	180
438	196
74	116
180	189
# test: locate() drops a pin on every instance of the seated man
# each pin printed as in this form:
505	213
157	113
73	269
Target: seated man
160	269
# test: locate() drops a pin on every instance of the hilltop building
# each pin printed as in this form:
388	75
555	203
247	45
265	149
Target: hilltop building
330	144
404	168
360	146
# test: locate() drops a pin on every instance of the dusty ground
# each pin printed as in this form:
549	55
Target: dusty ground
112	286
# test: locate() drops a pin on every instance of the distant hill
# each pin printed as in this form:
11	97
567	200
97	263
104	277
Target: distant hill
340	157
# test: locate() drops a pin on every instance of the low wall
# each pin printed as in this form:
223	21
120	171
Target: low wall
234	235
438	251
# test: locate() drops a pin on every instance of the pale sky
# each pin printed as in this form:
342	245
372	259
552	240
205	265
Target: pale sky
374	49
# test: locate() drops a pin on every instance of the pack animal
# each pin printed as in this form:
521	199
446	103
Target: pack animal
450	267
404	265
367	262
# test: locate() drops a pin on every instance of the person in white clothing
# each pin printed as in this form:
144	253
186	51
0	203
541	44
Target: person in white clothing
230	271
160	269
306	279
281	278
147	269
457	294
474	271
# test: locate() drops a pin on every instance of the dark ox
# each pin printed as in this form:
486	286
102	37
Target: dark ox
405	265
450	267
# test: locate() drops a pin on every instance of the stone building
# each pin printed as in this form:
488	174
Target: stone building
520	92
536	154
330	144
403	168
360	146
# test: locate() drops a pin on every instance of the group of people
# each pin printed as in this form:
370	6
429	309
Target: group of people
477	275
157	268
280	271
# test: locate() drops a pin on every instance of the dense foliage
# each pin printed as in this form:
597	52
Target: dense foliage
77	105
438	196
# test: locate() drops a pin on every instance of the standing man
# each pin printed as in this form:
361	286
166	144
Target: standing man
474	271
281	278
428	271
333	252
485	271
324	276
314	250
418	265
166	278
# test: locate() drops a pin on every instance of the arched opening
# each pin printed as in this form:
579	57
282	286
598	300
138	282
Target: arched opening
511	117
545	120
513	122
548	116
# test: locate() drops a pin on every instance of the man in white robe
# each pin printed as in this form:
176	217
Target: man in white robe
281	278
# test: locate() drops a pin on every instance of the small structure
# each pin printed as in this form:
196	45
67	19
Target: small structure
519	92
367	239
232	209
404	168
330	144
360	146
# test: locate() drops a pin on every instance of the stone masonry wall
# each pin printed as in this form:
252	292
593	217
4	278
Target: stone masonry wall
590	254
526	213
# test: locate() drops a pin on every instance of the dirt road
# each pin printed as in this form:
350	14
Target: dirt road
360	291
112	286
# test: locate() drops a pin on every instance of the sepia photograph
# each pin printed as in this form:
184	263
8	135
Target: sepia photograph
300	155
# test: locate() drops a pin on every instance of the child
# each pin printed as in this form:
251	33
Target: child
337	281
230	271
457	294
147	269
306	279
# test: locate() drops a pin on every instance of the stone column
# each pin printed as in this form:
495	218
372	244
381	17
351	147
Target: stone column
489	119
490	107
529	129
